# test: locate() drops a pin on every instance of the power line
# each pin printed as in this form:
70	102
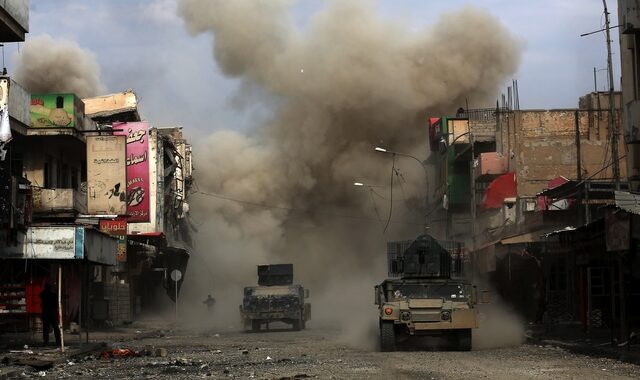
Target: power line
293	209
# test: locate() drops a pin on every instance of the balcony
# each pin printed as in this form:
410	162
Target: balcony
18	101
59	202
14	20
491	164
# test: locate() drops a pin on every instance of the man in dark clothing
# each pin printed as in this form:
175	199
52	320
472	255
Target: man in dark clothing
210	301
49	303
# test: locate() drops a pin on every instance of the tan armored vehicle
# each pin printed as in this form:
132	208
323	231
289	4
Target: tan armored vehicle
275	299
424	298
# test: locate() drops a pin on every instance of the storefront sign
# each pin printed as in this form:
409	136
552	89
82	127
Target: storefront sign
118	229
137	159
106	175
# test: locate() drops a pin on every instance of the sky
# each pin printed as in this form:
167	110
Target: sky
143	45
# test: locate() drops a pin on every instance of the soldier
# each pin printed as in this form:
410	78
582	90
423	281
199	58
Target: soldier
49	305
210	301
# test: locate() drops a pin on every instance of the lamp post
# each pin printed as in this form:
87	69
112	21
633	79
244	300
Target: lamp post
426	177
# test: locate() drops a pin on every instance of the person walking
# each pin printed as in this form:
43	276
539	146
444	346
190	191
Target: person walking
210	301
49	303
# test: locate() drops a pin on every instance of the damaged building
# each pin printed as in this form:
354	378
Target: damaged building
533	194
94	201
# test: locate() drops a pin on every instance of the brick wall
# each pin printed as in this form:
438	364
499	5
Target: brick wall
542	146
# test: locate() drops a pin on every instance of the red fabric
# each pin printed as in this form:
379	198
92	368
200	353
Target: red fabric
499	189
557	182
544	202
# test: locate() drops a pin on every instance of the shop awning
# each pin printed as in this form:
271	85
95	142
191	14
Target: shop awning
500	188
62	243
628	201
535	236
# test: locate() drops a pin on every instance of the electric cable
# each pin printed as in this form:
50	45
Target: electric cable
393	166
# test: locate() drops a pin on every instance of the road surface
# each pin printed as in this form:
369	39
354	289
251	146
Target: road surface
326	354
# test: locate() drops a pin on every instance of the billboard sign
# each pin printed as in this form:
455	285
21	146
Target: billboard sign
118	229
137	159
106	175
56	110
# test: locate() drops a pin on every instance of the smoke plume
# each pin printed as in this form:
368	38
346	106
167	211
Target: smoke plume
47	65
345	82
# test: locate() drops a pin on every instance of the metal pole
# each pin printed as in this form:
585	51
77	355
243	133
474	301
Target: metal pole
613	129
176	282
60	308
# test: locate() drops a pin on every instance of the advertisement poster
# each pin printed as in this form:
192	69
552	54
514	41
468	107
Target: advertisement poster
117	228
106	175
137	160
56	110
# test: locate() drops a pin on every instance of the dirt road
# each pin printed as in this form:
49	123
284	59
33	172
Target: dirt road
326	354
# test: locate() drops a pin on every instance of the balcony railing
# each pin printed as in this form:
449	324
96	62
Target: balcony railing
60	202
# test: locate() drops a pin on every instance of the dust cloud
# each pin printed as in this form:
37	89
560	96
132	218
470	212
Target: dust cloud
499	326
47	65
346	81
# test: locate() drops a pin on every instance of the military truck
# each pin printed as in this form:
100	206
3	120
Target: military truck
425	295
275	298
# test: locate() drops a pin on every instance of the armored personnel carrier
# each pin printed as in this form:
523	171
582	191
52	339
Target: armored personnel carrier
275	298
424	296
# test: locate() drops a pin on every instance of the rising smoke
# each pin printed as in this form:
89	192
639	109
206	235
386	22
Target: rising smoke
347	81
46	65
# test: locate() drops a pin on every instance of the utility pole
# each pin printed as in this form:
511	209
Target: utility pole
623	336
612	125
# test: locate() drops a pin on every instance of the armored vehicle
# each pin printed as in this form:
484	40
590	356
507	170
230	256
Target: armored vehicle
275	298
424	295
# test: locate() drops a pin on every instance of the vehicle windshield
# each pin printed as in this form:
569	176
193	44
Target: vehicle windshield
449	291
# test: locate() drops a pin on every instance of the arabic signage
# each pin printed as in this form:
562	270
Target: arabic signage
106	175
118	229
56	110
137	135
617	229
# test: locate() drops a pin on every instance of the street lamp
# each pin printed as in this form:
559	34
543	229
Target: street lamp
426	177
365	184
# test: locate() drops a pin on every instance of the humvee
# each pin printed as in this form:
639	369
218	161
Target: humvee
275	298
423	297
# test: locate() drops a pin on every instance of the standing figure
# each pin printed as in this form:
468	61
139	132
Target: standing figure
210	301
49	303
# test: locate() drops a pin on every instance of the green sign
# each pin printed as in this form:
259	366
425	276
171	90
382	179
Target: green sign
56	110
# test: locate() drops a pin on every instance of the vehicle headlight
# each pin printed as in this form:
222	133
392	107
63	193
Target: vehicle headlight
405	316
445	315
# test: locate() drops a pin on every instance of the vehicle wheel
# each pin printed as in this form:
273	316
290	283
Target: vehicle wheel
303	324
387	336
255	325
464	340
296	324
